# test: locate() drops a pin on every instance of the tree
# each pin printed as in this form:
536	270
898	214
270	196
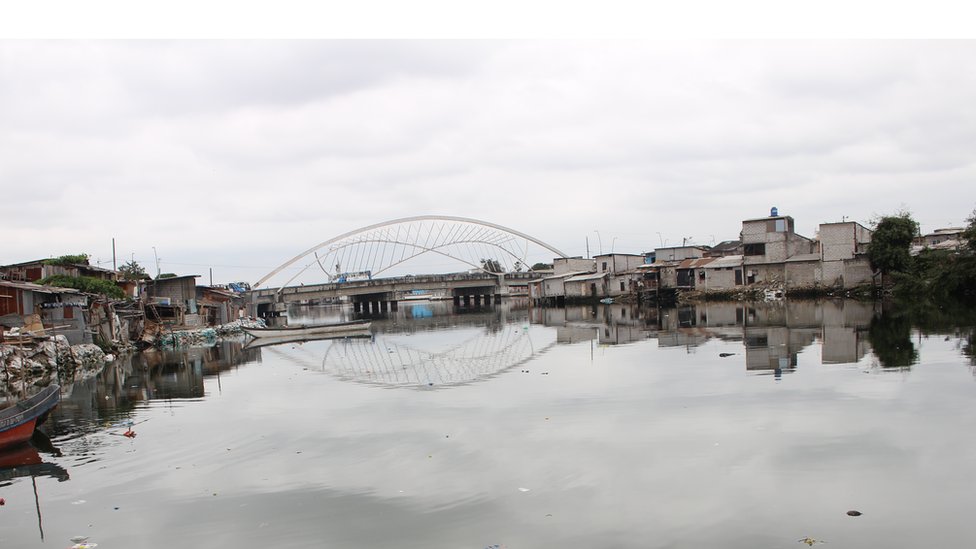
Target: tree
969	235
131	270
891	242
542	267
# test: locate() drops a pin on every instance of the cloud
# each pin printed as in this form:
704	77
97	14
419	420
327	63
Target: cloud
232	145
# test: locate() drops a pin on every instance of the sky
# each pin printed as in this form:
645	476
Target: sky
236	155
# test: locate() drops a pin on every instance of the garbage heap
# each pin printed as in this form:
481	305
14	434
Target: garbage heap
205	336
41	361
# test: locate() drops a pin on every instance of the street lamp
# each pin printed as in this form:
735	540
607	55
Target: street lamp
600	240
612	242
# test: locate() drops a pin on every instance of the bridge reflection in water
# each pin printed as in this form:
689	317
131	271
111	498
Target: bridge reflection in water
430	345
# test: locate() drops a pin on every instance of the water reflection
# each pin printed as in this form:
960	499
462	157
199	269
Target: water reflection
772	334
891	337
431	345
26	460
155	374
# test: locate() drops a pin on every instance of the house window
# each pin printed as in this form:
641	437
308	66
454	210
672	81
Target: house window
623	287
781	225
754	249
604	266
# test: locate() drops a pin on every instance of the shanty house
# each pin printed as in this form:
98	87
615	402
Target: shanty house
172	300
32	271
48	309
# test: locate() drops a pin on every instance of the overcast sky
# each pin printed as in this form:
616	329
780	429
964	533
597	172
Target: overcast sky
238	155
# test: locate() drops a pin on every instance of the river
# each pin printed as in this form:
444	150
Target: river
729	425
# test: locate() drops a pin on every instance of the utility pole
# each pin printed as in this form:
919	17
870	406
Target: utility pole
588	246
157	261
114	266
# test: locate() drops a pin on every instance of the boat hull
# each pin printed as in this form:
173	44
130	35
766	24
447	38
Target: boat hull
310	331
17	435
17	423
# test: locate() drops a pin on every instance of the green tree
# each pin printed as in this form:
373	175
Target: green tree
542	267
891	242
131	270
969	235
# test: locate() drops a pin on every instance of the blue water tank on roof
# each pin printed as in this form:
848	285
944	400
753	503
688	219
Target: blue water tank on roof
774	212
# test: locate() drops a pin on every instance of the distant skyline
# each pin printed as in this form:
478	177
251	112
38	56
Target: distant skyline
238	155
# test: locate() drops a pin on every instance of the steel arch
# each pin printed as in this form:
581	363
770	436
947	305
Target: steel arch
373	234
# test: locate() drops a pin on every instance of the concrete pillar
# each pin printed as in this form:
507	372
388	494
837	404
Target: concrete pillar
477	300
394	305
457	301
498	299
467	300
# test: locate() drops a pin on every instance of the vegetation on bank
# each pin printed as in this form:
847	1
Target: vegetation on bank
938	274
68	260
86	284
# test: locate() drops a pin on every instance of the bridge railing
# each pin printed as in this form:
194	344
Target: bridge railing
406	280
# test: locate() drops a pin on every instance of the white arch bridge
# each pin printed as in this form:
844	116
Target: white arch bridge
359	263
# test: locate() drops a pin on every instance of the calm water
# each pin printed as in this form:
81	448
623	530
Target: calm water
590	427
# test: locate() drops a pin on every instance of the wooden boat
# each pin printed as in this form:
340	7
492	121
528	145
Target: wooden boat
303	330
17	422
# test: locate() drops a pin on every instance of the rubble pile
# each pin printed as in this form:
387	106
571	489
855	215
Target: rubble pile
237	327
188	338
46	360
206	336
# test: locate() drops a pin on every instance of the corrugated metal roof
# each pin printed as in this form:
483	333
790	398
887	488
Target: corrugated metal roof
588	276
727	261
31	287
565	275
694	263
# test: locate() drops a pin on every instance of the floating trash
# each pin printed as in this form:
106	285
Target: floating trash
524	489
723	355
810	541
854	513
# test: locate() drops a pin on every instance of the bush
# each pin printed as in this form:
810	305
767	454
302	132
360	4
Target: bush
85	284
67	260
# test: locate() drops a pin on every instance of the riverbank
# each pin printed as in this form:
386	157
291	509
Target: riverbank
40	361
775	292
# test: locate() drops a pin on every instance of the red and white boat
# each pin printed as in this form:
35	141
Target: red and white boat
17	422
